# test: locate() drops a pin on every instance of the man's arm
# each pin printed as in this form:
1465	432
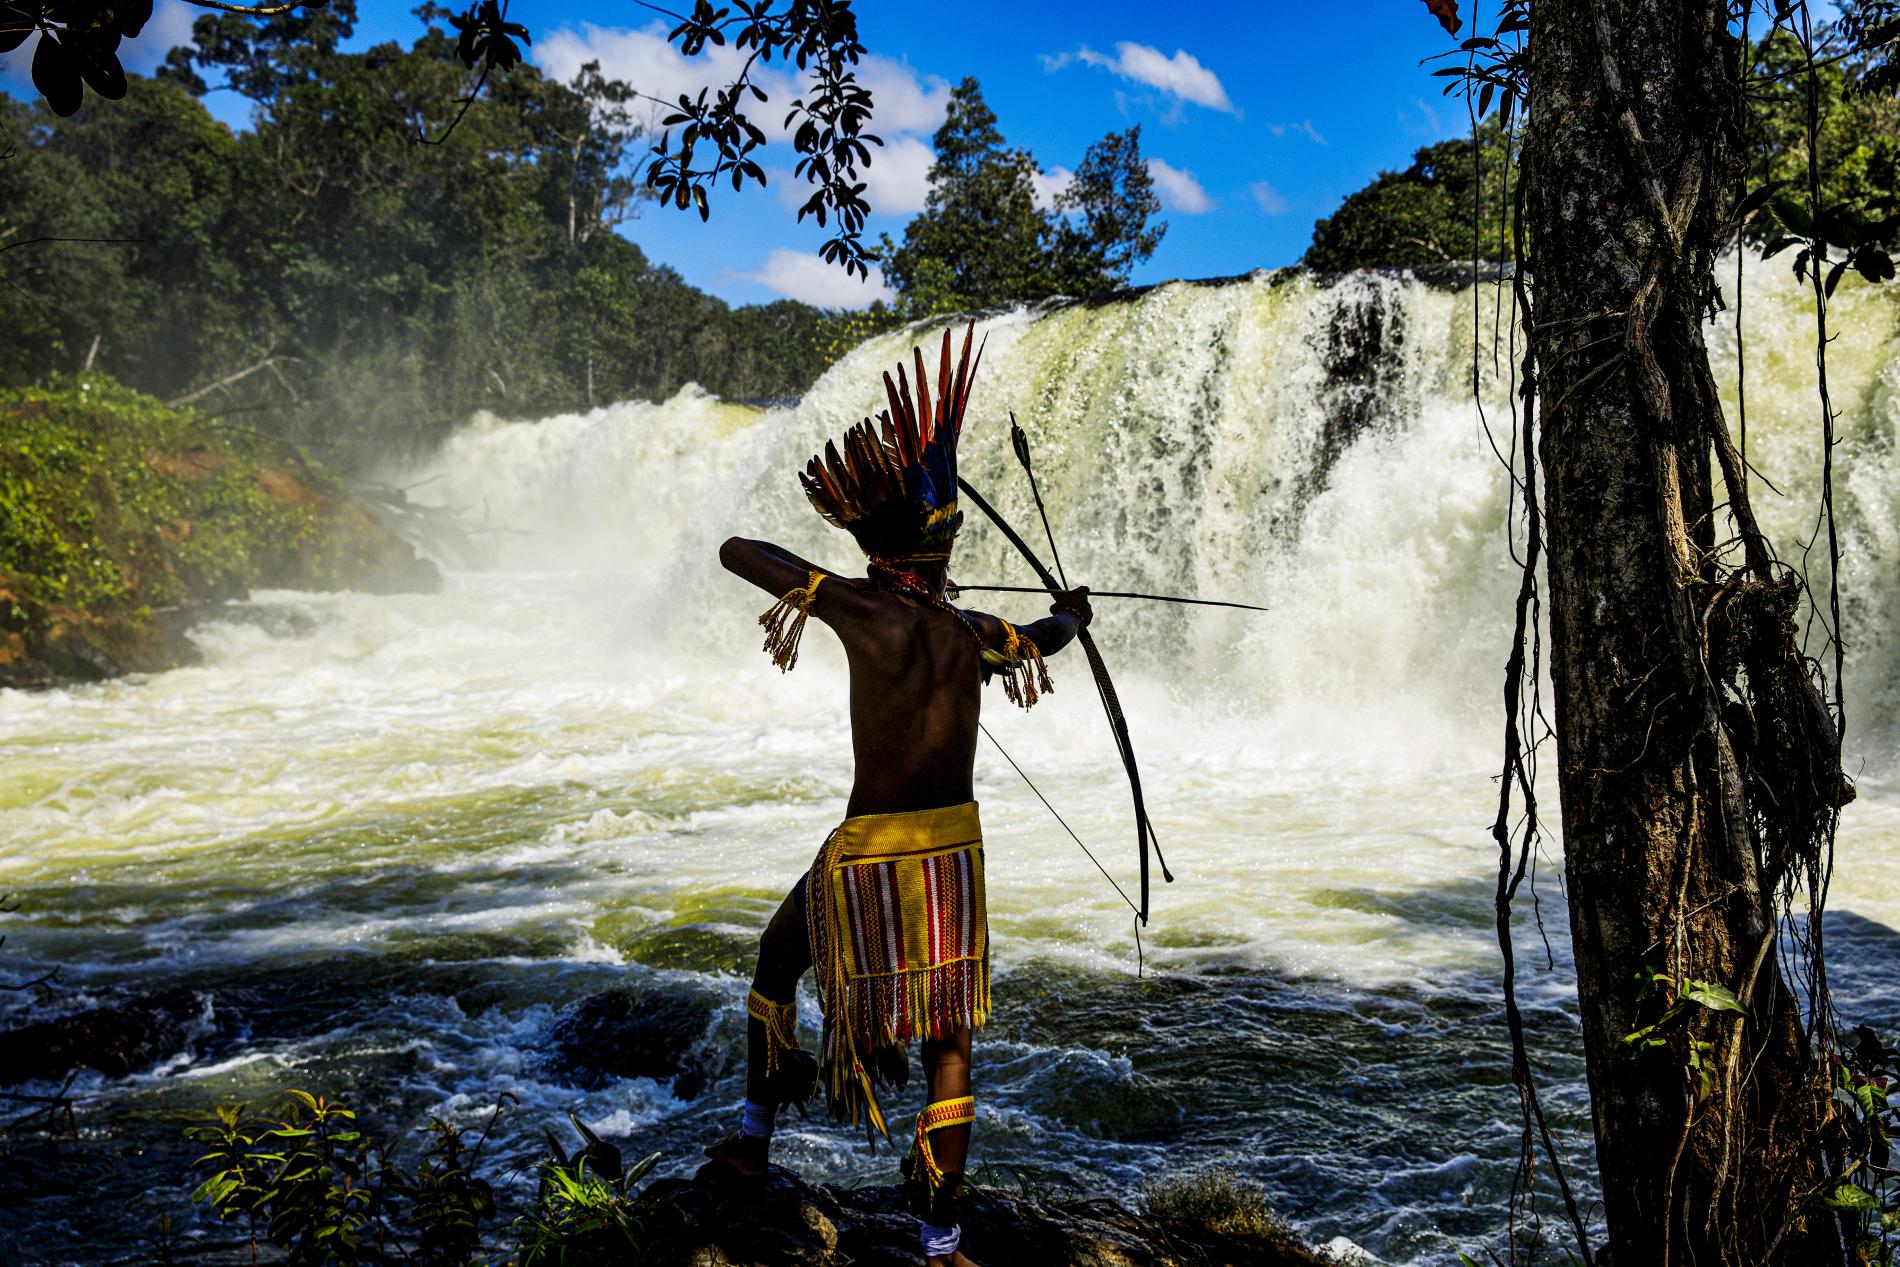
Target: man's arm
778	572
1068	615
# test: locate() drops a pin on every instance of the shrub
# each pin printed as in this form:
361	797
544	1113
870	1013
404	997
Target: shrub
1217	1201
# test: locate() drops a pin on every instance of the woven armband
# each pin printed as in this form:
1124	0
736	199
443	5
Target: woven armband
923	1167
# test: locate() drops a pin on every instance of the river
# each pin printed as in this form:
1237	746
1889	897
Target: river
394	837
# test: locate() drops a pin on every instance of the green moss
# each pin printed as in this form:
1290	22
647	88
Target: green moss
115	509
1213	1200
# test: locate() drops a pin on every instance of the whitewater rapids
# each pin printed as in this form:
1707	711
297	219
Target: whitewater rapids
400	834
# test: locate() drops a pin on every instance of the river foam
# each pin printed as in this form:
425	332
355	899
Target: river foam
395	836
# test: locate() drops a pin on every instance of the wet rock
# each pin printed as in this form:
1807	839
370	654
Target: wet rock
629	1033
115	1040
718	1220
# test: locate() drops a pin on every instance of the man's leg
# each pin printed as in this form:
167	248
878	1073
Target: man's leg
777	1072
947	1067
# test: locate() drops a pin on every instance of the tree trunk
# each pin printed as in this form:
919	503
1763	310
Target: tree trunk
1708	1138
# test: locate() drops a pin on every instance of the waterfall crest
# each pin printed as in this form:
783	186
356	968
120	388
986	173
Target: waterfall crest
1307	443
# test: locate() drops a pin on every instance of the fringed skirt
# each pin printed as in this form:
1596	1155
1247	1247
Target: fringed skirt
899	941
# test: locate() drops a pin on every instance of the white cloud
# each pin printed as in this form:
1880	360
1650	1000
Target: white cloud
900	100
896	183
170	26
1181	76
1303	128
1050	183
1178	189
1267	198
804	276
645	60
1422	119
898	179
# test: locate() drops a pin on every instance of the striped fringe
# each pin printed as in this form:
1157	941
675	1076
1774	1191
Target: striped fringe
785	622
866	1013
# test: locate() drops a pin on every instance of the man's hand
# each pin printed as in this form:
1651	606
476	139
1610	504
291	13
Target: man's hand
1076	603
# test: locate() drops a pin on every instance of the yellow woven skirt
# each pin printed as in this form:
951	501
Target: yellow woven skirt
899	941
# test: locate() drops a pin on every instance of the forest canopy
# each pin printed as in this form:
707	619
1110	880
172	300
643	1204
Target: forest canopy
1423	215
361	291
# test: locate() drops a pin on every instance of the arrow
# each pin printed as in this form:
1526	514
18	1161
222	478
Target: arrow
956	589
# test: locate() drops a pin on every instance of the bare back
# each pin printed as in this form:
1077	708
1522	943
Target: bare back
916	691
916	677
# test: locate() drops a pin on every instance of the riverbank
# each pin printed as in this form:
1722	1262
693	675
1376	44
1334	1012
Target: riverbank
123	521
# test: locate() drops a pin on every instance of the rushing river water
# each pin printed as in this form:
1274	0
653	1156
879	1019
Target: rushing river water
393	838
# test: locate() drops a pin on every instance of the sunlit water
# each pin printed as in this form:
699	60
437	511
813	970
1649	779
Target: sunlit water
393	838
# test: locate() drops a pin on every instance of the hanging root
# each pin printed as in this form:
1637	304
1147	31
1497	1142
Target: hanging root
1778	720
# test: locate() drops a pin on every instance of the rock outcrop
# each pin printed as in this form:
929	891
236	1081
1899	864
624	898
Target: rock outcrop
116	1040
627	1033
716	1219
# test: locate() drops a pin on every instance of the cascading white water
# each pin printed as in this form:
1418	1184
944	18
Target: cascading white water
434	821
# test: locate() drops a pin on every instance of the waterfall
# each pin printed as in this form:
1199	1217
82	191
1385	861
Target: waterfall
1309	444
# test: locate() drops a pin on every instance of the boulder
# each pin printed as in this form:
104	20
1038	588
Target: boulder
115	1040
630	1033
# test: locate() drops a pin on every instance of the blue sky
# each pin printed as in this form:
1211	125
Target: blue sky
1256	118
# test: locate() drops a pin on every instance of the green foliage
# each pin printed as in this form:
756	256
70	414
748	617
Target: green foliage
112	504
1847	214
309	1181
1424	215
314	1182
1865	1189
1043	1185
1216	1200
982	240
376	290
1677	998
1858	136
584	1208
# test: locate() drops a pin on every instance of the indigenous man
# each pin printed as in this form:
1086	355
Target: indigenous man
892	911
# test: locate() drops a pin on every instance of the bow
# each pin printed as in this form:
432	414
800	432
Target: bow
1105	686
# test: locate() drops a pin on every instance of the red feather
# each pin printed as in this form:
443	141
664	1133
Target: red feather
1446	11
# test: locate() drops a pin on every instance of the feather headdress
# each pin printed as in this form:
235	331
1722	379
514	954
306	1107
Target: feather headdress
894	486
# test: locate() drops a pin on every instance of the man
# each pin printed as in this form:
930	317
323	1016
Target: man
892	912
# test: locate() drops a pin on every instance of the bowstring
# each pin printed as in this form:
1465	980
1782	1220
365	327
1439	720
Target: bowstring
1140	957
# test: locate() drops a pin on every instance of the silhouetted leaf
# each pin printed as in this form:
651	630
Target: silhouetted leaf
1756	199
101	70
1875	265
1834	276
56	75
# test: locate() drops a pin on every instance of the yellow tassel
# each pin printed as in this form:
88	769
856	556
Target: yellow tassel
781	1026
1025	676
782	629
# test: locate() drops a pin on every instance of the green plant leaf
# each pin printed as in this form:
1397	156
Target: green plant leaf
1849	1196
1710	995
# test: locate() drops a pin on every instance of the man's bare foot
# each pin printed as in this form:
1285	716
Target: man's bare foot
954	1260
744	1153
